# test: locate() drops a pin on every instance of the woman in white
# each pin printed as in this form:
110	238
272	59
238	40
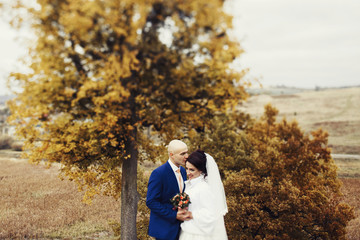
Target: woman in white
207	197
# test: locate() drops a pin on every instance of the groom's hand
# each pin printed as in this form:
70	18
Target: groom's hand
183	214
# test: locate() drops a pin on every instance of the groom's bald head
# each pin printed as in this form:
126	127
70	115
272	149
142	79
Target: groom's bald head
178	152
176	146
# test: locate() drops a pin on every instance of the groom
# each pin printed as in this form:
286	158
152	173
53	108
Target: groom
164	183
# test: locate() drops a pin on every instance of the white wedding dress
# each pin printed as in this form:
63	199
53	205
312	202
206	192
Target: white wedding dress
207	222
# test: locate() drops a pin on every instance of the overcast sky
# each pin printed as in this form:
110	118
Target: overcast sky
299	43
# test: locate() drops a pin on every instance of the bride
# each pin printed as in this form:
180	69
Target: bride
207	197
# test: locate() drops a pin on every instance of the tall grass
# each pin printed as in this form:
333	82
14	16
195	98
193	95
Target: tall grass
35	203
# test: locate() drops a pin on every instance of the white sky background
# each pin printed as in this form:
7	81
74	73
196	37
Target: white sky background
11	49
299	43
296	43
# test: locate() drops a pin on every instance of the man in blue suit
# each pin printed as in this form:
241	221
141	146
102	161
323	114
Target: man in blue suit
164	183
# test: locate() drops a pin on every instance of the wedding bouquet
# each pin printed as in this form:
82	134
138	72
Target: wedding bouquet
180	200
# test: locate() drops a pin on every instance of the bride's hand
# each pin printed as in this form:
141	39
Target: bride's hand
182	214
190	216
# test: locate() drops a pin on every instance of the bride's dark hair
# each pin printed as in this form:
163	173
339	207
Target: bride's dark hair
198	159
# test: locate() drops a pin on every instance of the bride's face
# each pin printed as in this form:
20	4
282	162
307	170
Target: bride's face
192	171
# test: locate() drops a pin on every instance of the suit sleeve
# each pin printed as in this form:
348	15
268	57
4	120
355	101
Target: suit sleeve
153	198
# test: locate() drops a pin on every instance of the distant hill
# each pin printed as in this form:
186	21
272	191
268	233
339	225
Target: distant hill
274	90
336	110
285	90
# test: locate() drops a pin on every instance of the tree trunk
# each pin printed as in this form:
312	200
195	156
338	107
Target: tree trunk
129	194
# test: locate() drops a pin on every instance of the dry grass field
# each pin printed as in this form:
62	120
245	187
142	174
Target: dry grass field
351	191
36	204
334	110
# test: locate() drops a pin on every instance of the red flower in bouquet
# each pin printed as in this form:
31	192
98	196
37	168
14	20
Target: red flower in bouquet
180	200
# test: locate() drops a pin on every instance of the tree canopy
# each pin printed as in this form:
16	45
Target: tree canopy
106	76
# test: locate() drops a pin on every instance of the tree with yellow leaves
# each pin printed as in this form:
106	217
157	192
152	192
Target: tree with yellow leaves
106	76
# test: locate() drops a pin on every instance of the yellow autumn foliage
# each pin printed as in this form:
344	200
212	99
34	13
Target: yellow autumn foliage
102	74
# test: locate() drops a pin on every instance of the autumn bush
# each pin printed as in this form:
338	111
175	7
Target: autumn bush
291	191
6	142
17	146
226	142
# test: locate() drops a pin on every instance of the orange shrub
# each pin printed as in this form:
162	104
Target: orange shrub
291	191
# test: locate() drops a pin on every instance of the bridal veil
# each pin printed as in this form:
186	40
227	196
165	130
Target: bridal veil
214	181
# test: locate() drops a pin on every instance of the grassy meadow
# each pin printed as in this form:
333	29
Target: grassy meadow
335	110
36	204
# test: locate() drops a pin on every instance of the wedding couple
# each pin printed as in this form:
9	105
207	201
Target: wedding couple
204	218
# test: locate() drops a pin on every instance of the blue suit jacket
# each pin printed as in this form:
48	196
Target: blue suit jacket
163	186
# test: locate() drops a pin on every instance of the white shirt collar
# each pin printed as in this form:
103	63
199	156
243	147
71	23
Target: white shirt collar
173	166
